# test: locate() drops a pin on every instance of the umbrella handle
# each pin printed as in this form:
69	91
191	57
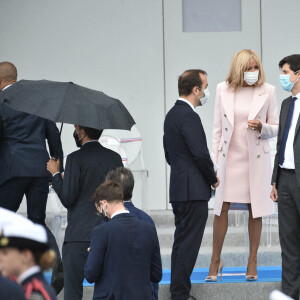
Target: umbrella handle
55	157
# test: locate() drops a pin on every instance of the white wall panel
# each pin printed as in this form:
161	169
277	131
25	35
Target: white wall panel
280	26
113	46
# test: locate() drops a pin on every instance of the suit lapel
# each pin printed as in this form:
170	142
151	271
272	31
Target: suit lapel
297	125
228	105
259	98
284	112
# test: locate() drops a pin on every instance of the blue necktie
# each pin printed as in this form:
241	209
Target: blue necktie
286	130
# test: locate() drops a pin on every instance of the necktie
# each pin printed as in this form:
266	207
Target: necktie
286	130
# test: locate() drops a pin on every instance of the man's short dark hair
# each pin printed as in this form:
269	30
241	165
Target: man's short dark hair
110	191
92	133
293	61
125	178
188	80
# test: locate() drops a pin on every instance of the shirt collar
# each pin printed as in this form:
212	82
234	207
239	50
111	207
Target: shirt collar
297	96
28	273
188	102
7	87
90	142
121	211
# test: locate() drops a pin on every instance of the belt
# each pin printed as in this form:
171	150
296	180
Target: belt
288	170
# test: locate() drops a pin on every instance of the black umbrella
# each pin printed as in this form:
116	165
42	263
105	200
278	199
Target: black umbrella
66	102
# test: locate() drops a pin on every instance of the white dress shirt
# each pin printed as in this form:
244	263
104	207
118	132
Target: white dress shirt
6	87
188	102
122	211
289	162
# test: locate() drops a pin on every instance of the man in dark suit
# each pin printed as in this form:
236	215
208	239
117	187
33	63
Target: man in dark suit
23	157
286	176
192	175
124	255
125	178
85	171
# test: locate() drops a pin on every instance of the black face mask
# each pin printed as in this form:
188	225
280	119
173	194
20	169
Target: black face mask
77	140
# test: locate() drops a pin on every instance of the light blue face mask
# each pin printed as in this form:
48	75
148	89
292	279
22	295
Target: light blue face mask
286	83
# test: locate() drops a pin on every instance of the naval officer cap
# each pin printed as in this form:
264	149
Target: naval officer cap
18	232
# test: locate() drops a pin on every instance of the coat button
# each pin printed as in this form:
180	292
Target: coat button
225	142
226	129
258	156
223	154
259	117
225	116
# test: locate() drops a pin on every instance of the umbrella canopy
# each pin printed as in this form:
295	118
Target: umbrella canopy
66	102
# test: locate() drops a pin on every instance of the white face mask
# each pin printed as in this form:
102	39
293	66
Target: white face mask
251	77
204	99
104	212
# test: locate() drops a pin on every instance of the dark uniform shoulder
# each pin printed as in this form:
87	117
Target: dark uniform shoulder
38	290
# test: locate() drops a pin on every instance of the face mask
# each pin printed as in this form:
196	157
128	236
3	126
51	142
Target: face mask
77	140
286	83
204	99
251	77
104	213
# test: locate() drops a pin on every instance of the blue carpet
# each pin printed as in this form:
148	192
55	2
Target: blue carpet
230	275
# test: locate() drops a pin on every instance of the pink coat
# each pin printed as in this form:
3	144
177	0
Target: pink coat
263	108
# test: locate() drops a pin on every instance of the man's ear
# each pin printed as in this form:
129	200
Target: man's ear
195	89
83	133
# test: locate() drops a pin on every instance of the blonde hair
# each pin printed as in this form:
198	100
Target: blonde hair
44	259
239	64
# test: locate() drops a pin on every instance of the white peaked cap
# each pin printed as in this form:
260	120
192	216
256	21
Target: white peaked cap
13	225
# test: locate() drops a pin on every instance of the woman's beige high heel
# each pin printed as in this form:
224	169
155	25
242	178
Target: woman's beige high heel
251	277
213	278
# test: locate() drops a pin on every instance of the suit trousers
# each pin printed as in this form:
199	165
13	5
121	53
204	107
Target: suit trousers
36	191
190	221
74	256
289	231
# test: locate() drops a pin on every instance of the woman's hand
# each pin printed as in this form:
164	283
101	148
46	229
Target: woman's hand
255	125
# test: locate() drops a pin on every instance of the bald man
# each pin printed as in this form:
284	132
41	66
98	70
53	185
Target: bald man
24	156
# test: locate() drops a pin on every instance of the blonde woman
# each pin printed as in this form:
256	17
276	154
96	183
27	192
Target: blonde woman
245	118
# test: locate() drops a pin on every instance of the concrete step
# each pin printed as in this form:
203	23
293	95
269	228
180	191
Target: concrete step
165	218
236	236
227	291
231	256
213	291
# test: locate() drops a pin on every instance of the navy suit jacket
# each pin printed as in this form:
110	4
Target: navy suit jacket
23	151
123	259
10	289
186	151
138	213
86	169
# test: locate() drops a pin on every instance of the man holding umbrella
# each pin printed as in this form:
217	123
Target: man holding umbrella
66	102
85	171
23	156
